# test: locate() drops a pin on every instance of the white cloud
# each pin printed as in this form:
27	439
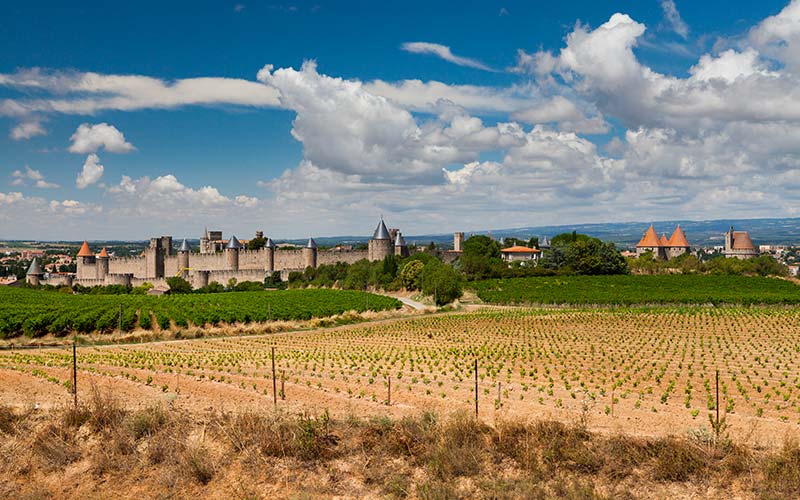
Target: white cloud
91	173
73	207
563	112
443	52
673	18
9	198
91	138
26	130
20	178
346	128
89	93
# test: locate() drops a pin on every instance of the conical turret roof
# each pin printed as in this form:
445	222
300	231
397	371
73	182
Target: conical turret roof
544	242
103	253
35	269
663	240
85	251
381	233
269	243
649	240
233	244
185	246
678	238
311	243
399	241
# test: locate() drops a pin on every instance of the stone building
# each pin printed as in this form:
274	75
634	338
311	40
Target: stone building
663	248
739	245
216	262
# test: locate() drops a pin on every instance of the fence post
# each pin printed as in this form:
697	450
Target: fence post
274	384
476	388
716	379
389	394
283	388
75	374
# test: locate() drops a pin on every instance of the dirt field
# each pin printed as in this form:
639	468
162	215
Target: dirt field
641	372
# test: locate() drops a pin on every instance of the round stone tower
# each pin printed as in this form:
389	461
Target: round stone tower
102	264
86	263
381	244
310	253
400	246
269	248
232	253
35	274
183	259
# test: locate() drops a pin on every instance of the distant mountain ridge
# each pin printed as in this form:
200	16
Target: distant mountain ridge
781	231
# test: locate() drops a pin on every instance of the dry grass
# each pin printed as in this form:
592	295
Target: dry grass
156	452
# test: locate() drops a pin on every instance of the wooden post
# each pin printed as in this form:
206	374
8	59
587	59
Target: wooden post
283	388
274	384
499	401
389	392
476	388
75	374
717	405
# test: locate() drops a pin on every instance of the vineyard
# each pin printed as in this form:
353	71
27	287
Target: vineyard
632	289
35	313
642	370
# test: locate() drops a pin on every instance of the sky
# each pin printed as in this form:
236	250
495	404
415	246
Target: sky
134	119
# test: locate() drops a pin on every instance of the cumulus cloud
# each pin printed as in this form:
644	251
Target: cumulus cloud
91	173
345	127
91	138
673	18
21	178
443	52
26	130
565	114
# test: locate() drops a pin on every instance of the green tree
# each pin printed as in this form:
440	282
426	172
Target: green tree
481	257
178	285
442	282
256	243
411	275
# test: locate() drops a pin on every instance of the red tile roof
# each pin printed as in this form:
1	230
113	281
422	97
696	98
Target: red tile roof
85	251
520	249
649	240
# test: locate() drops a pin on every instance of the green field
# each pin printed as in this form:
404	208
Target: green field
630	289
35	312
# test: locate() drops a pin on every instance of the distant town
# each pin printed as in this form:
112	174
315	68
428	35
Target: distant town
214	257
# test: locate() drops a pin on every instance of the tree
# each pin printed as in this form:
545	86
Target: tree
442	282
178	285
358	275
481	257
256	243
411	275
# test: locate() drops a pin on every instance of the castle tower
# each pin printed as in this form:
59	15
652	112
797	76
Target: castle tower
381	245
400	247
183	259
544	243
269	248
677	244
35	274
86	263
232	253
154	256
310	253
458	241
205	243
102	264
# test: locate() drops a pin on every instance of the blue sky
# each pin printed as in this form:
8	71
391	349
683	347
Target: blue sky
124	121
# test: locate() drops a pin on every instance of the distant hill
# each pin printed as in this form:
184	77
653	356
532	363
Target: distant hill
624	234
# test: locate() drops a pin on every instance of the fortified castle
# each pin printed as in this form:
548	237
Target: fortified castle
216	261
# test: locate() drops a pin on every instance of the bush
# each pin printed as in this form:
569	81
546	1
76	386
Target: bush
178	285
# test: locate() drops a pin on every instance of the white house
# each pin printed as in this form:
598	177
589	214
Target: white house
520	254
